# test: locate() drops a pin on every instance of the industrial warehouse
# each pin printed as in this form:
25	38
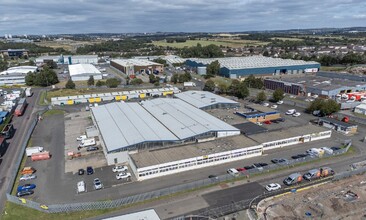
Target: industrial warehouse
16	75
169	135
325	87
239	67
136	66
81	72
69	59
157	122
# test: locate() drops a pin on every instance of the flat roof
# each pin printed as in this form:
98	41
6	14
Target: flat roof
163	119
249	128
251	62
261	108
80	69
201	99
149	214
135	62
338	122
287	133
166	155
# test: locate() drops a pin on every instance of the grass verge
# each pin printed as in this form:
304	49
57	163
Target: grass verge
53	112
14	211
42	98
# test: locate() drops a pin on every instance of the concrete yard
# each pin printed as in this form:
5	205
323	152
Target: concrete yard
345	199
75	124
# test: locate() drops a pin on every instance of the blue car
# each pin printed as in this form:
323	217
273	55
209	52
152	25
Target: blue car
89	171
26	187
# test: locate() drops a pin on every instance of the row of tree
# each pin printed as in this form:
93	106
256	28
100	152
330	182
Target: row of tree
236	88
324	106
181	78
199	51
46	77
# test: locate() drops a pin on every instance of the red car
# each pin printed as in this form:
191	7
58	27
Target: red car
241	169
267	122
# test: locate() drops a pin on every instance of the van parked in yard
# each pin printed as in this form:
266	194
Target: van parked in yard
81	187
293	179
312	174
87	142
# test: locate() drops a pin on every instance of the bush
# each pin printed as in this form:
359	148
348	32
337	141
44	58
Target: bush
100	83
70	84
278	95
136	81
112	82
91	81
44	78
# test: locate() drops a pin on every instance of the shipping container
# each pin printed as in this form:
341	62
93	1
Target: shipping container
41	156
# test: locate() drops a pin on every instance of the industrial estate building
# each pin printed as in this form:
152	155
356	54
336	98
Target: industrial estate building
206	100
325	87
337	125
14	53
16	75
361	109
114	96
80	72
258	113
69	59
137	66
154	123
239	67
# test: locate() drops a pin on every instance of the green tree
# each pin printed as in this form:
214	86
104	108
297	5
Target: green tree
128	80
266	53
91	81
152	78
278	95
326	107
159	60
3	65
213	69
253	82
209	86
243	91
157	83
99	83
30	78
112	82
70	84
261	96
223	88
174	78
45	77
136	81
234	88
51	64
315	105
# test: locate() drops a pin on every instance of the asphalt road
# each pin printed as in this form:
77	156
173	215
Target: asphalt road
21	124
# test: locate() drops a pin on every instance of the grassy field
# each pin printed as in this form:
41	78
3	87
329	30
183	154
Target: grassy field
227	43
287	38
332	68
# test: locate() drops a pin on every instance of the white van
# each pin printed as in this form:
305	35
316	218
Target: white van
81	187
315	152
87	142
33	150
233	172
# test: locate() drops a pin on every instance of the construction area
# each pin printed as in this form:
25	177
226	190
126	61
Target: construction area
344	199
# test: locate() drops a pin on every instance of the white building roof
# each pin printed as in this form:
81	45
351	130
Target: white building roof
251	62
19	70
142	215
83	69
361	106
135	62
201	99
174	59
125	124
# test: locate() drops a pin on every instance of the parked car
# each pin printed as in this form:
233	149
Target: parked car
274	106
335	148
25	193
81	137
260	164
92	148
258	123
232	171
267	122
97	184
119	168
299	156
81	187
290	112
213	177
249	167
89	170
327	150
81	171
265	104
293	179
27	177
26	187
297	114
273	186
280	102
279	161
241	169
123	176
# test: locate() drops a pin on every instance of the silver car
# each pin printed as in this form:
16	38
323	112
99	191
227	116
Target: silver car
98	184
27	177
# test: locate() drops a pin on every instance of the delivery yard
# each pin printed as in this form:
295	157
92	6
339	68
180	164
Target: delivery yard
344	199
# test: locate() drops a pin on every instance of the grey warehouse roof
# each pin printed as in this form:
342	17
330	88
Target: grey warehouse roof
125	124
201	99
251	62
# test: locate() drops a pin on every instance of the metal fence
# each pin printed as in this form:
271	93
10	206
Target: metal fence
55	208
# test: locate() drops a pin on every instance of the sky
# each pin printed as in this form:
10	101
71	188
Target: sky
130	16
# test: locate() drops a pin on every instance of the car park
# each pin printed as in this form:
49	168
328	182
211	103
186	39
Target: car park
97	184
274	106
89	170
297	114
81	171
26	187
273	186
27	177
25	193
123	176
120	168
